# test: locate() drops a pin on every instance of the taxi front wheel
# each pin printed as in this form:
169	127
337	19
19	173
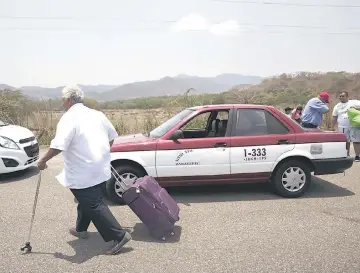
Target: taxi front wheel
291	179
126	176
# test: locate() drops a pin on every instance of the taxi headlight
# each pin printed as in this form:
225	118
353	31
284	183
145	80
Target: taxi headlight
8	143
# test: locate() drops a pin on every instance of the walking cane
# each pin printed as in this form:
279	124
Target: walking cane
27	248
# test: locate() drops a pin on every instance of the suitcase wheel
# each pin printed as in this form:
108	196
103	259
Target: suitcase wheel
163	238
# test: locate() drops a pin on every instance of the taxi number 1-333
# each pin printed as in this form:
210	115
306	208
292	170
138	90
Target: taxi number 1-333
255	152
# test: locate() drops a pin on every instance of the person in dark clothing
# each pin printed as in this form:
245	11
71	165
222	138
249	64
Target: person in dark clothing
288	111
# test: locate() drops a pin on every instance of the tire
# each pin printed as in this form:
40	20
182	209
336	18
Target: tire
291	189
113	190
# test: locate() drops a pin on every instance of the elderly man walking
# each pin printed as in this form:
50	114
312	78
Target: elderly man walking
84	137
314	109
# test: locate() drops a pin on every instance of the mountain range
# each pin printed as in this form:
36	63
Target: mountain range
167	86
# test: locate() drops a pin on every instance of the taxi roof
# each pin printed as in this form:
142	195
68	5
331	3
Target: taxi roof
222	106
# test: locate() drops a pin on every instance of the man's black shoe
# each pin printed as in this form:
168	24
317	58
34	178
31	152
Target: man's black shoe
116	248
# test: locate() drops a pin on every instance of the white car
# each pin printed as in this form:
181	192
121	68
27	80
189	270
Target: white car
19	148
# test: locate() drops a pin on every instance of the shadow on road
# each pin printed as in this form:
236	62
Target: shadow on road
140	233
87	249
18	176
95	245
320	188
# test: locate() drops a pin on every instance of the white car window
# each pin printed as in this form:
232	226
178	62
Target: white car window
254	122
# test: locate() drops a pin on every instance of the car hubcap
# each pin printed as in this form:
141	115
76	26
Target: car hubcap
126	178
293	179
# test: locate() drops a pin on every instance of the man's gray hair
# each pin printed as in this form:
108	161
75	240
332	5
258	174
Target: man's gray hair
74	93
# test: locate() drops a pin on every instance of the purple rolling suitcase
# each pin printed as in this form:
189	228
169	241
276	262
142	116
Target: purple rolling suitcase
153	205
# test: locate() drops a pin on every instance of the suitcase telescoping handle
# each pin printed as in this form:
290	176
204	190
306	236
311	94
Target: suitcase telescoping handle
118	179
120	182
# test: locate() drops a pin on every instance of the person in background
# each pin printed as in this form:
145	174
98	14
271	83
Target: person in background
288	111
84	137
339	117
314	109
296	114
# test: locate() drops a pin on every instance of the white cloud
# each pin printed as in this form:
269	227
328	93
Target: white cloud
197	22
230	27
191	22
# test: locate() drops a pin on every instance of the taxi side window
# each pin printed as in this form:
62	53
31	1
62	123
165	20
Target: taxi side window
256	122
198	123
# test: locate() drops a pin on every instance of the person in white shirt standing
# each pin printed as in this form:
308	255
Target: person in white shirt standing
340	117
84	137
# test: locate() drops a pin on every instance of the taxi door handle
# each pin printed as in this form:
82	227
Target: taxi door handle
283	141
220	144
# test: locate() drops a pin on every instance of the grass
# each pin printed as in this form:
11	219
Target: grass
43	123
126	121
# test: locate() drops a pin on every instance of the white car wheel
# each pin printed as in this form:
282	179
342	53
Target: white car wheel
293	179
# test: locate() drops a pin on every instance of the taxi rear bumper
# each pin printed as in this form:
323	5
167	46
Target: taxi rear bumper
332	166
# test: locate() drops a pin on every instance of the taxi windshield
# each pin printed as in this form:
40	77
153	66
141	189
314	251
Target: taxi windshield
170	123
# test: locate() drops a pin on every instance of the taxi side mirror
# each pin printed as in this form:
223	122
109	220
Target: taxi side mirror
177	135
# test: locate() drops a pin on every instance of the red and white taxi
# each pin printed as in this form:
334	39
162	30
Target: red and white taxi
235	143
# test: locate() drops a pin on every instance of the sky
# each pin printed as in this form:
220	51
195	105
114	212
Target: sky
52	43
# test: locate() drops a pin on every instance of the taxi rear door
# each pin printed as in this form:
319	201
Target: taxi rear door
258	139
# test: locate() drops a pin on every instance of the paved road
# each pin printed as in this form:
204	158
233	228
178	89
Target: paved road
228	229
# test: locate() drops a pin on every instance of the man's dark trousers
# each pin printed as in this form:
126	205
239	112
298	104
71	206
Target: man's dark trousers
91	207
309	125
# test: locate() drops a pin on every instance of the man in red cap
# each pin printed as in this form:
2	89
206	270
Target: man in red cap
314	110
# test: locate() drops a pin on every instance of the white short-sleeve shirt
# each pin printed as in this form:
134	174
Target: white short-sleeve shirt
83	134
340	111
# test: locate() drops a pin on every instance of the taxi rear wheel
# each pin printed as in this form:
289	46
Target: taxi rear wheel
291	179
